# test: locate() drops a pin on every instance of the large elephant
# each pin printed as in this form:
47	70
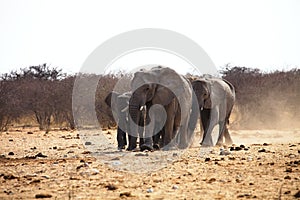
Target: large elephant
163	86
119	104
216	98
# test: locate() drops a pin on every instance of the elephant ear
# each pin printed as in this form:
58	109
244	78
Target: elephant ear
216	93
108	99
111	97
171	85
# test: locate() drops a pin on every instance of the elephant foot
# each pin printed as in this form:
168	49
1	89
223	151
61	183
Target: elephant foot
120	148
156	147
131	148
146	147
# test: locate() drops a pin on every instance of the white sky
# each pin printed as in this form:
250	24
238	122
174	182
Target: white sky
262	34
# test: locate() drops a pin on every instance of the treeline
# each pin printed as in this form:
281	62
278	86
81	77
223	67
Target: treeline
265	100
43	95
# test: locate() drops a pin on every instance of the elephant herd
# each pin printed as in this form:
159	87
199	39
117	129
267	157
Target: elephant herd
163	107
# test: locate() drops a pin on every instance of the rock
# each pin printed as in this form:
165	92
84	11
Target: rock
9	177
297	195
231	149
242	146
266	144
10	140
287	177
126	194
41	196
288	170
298	150
150	190
33	148
46	176
11	153
55	147
175	187
71	151
29	132
93	171
207	159
88	143
111	187
211	180
142	154
261	150
41	155
224	152
237	148
287	192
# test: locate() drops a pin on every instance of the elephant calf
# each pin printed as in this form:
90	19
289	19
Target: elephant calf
119	105
216	98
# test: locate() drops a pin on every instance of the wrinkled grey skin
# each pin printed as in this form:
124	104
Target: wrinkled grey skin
119	104
161	85
216	98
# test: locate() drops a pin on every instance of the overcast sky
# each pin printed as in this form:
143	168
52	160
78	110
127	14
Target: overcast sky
261	34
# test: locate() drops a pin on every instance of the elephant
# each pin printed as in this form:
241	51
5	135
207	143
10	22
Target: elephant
163	86
216	98
119	104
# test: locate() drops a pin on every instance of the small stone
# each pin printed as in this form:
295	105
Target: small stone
287	192
150	190
261	150
287	177
29	132
46	176
41	155
88	143
142	154
249	158
242	146
71	151
9	177
126	194
251	183
288	170
175	187
41	196
111	187
10	140
55	147
211	180
246	149
298	150
237	148
265	144
93	171
11	153
207	159
297	195
231	149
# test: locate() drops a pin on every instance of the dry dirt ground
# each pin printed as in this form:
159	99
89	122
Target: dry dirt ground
57	165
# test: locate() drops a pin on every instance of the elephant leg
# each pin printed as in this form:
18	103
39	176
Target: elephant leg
222	126
214	119
227	136
132	143
205	117
156	138
121	138
168	129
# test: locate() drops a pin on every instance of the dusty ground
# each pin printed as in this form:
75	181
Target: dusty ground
267	168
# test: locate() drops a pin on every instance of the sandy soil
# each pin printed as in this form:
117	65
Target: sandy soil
58	165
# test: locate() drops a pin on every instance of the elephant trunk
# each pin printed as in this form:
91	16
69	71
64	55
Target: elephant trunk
134	114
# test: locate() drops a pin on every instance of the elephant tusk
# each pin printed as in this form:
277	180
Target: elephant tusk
142	108
125	109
